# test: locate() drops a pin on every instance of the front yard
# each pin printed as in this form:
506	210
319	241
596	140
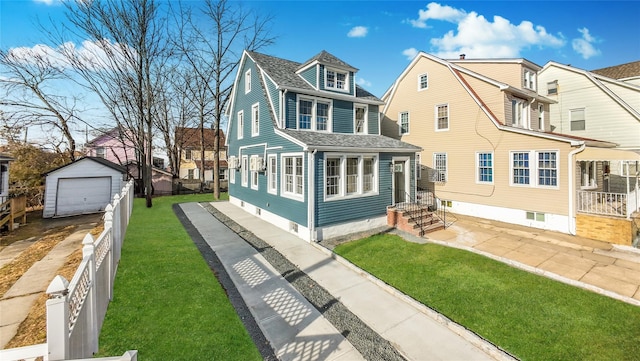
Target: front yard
532	317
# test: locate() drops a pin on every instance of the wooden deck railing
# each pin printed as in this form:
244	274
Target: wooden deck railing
12	209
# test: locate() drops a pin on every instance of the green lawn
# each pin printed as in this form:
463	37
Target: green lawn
532	317
168	304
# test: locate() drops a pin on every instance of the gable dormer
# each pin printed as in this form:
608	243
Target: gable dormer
325	72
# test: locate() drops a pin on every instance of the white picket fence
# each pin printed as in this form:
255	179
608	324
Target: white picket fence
76	309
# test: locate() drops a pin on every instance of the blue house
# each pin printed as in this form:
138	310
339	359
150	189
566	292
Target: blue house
305	151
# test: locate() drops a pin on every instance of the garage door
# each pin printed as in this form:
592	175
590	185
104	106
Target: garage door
82	195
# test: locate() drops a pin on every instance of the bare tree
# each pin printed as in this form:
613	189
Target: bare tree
28	79
213	55
129	50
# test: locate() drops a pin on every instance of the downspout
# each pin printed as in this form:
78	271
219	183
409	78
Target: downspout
311	189
572	191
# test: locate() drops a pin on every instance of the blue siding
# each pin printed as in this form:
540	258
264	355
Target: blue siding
284	207
275	96
342	116
373	119
311	75
290	110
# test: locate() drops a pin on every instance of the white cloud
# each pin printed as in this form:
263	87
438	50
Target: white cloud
479	37
358	32
410	53
46	2
437	12
584	46
363	83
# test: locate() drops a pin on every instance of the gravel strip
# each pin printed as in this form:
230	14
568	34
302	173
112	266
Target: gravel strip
369	343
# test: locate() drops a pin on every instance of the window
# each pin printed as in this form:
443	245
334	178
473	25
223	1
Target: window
187	154
577	119
404	123
418	166
293	183
588	175
485	167
519	116
440	165
423	81
336	80
535	216
190	174
254	172
222	174
247	81
541	117
552	87
360	125
240	124
255	119
352	175
529	79
547	169
520	167
244	171
314	114
232	171
272	172
100	152
442	117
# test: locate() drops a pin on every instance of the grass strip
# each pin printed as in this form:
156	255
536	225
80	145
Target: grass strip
531	317
167	303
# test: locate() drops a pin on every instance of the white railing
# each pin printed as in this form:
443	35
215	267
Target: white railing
604	203
76	309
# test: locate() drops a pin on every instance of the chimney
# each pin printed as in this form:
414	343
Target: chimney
462	56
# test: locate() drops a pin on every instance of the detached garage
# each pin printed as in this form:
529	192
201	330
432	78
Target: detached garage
84	186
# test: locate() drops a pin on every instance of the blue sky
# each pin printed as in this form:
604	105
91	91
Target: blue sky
380	37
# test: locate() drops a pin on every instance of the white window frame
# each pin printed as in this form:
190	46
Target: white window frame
100	152
253	173
255	119
523	106
479	166
365	121
530	79
418	163
335	87
360	176
420	82
272	174
314	113
244	171
541	119
297	178
437	117
442	174
534	169
232	173
240	118
400	121
528	167
583	120
552	88
247	81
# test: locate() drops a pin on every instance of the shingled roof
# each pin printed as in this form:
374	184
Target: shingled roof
283	72
350	141
190	137
622	71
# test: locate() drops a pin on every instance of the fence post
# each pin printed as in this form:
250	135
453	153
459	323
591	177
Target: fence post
117	228
108	225
58	319
88	250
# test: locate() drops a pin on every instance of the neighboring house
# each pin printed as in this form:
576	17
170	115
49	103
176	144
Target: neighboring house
599	106
488	148
190	148
84	186
161	180
305	148
113	146
5	160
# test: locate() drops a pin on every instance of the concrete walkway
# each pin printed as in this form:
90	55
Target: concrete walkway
414	333
601	267
16	303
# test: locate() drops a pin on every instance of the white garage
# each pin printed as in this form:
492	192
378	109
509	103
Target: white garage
84	186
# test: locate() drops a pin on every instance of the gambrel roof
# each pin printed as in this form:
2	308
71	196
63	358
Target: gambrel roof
346	141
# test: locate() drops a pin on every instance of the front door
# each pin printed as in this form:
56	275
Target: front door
399	181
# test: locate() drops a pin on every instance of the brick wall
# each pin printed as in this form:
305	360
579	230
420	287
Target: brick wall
606	229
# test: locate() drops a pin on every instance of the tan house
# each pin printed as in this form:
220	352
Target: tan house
189	144
488	148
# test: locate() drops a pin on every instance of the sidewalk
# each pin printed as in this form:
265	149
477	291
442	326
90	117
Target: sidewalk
414	333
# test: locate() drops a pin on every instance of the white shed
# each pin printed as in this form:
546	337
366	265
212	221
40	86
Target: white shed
84	186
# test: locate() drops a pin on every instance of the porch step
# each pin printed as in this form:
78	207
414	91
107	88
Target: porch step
418	222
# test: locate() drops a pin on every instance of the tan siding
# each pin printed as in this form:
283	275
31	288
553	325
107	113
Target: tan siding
472	131
509	73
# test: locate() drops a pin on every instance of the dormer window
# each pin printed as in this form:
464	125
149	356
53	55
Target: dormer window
529	79
314	114
337	80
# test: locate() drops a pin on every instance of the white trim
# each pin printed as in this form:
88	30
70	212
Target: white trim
435	117
314	112
336	71
350	227
247	81
253	174
400	122
255	119
407	177
446	166
420	82
240	124
534	177
493	168
272	174
291	195
244	171
342	190
365	125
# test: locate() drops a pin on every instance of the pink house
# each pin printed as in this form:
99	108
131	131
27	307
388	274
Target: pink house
113	146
